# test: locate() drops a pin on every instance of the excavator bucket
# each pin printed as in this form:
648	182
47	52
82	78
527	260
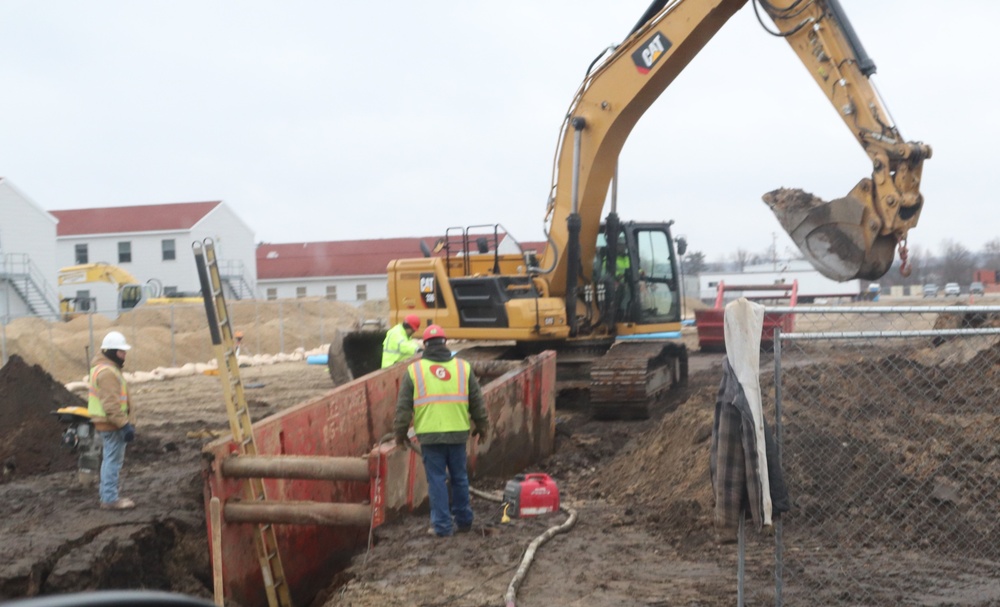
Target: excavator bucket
835	236
354	353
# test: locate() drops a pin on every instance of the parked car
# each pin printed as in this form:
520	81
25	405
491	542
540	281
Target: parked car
930	290
952	288
977	288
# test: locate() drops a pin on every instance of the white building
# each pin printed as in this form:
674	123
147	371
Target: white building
351	271
153	244
28	260
812	285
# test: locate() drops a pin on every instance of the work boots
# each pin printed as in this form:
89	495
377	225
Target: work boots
122	503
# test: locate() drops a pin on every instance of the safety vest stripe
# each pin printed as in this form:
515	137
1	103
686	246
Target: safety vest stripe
448	398
421	385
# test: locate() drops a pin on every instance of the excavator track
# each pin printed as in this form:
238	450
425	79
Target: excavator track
631	375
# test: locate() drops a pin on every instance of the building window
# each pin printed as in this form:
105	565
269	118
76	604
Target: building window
81	254
331	292
169	249
83	300
300	292
361	292
124	252
272	294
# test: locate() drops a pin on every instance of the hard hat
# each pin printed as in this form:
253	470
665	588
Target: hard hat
621	239
413	321
115	341
238	335
433	332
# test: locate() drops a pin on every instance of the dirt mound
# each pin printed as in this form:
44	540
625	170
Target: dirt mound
29	437
665	473
171	336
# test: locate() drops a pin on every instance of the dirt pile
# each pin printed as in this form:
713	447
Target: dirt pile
171	336
29	436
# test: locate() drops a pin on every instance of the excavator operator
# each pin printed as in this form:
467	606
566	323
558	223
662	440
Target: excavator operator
622	261
397	345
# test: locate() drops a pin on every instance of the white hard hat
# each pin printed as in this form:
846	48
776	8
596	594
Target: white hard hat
115	341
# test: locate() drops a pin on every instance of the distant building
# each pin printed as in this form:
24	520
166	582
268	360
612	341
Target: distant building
28	259
352	271
812	285
153	243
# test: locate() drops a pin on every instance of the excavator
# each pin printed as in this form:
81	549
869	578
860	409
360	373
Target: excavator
606	294
130	292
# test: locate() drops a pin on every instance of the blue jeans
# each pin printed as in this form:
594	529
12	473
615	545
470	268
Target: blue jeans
444	464
111	465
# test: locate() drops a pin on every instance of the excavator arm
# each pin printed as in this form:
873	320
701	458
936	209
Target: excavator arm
855	236
851	237
95	272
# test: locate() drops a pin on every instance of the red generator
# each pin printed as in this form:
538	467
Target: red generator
531	495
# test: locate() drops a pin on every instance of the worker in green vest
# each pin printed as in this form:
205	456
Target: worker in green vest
397	345
112	414
439	393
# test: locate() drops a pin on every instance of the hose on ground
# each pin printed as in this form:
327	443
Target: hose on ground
529	554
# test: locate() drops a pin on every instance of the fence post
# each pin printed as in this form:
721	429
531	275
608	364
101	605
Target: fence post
779	565
281	328
302	328
173	344
3	339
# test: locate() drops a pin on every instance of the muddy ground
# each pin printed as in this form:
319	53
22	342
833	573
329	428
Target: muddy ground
641	490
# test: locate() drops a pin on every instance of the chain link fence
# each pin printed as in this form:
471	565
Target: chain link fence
889	429
176	334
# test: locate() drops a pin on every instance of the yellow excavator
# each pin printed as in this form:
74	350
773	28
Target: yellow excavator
606	294
130	292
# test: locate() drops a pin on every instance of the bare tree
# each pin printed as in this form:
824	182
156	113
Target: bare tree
694	263
989	257
742	258
957	262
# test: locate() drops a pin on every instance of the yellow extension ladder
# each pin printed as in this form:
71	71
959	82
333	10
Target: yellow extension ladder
240	424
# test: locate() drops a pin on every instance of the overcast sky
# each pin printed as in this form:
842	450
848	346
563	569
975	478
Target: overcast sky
340	120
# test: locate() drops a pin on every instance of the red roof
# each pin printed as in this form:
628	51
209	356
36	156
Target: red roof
145	218
340	258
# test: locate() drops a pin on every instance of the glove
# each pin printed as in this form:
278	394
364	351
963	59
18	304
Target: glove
128	432
402	441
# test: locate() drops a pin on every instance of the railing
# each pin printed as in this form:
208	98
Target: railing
21	273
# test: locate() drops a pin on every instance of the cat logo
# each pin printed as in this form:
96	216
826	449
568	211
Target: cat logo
651	52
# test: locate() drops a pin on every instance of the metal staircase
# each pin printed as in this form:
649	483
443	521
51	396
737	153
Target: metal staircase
20	273
232	272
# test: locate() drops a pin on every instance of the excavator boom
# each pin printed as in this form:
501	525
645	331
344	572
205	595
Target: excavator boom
852	237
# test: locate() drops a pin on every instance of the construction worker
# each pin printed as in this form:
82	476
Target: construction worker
112	415
397	345
622	261
439	393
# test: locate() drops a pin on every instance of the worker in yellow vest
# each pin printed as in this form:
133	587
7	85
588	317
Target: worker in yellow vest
397	346
112	415
439	393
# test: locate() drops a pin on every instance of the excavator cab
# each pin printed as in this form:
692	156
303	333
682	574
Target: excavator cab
644	272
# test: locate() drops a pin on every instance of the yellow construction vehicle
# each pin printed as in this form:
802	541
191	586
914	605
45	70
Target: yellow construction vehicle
130	292
606	294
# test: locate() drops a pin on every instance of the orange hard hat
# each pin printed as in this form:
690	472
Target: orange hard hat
413	321
433	332
238	335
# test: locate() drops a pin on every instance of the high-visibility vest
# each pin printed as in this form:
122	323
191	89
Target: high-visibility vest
622	264
440	395
94	405
396	346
